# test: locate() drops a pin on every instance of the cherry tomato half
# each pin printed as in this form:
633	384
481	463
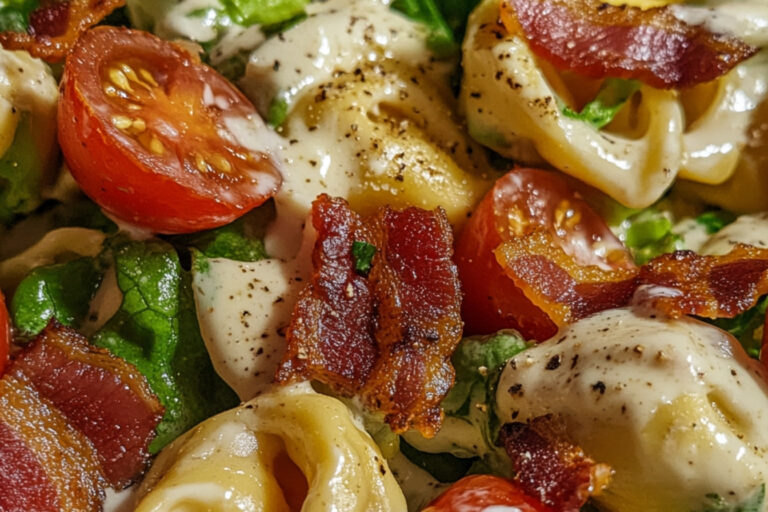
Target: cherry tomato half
476	493
157	138
521	200
5	335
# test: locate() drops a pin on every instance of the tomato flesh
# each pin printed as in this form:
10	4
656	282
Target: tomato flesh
158	139
475	493
520	201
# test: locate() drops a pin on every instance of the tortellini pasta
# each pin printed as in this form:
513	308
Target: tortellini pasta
366	118
675	407
513	103
251	459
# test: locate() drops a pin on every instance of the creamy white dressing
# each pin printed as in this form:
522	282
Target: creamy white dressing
243	310
746	20
674	406
337	36
747	229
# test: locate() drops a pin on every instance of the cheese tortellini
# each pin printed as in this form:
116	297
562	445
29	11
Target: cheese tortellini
675	407
251	459
513	102
370	117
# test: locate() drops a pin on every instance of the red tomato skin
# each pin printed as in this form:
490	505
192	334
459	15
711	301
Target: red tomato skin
491	300
477	492
5	335
127	184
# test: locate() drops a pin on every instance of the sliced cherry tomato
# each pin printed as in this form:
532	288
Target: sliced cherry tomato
5	335
520	201
158	139
476	493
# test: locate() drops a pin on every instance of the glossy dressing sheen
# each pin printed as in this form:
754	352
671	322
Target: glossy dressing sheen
674	406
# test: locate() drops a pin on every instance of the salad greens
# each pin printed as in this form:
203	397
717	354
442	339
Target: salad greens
471	425
21	174
62	291
263	12
14	14
649	234
156	330
611	97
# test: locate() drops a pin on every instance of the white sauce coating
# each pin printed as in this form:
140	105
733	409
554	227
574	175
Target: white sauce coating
747	229
674	406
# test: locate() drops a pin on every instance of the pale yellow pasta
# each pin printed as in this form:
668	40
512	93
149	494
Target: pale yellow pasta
512	108
675	407
513	103
228	462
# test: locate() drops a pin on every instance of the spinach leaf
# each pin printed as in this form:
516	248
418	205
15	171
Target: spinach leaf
613	94
156	330
63	291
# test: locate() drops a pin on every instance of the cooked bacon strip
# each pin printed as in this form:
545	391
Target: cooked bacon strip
549	466
386	337
708	286
600	40
557	284
55	26
100	395
679	283
43	445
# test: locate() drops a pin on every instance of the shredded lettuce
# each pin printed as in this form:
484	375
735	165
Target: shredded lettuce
612	96
62	291
156	330
649	234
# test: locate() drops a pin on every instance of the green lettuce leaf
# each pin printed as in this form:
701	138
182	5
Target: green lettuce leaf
441	39
613	94
21	174
156	330
648	234
14	14
240	240
746	327
714	221
471	425
263	12
63	291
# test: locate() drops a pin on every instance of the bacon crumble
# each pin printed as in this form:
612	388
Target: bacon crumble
55	27
550	467
388	336
600	40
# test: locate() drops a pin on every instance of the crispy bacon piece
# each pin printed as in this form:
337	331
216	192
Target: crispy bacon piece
679	283
99	394
55	26
73	419
549	466
557	284
600	40
388	336
39	443
521	201
708	286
